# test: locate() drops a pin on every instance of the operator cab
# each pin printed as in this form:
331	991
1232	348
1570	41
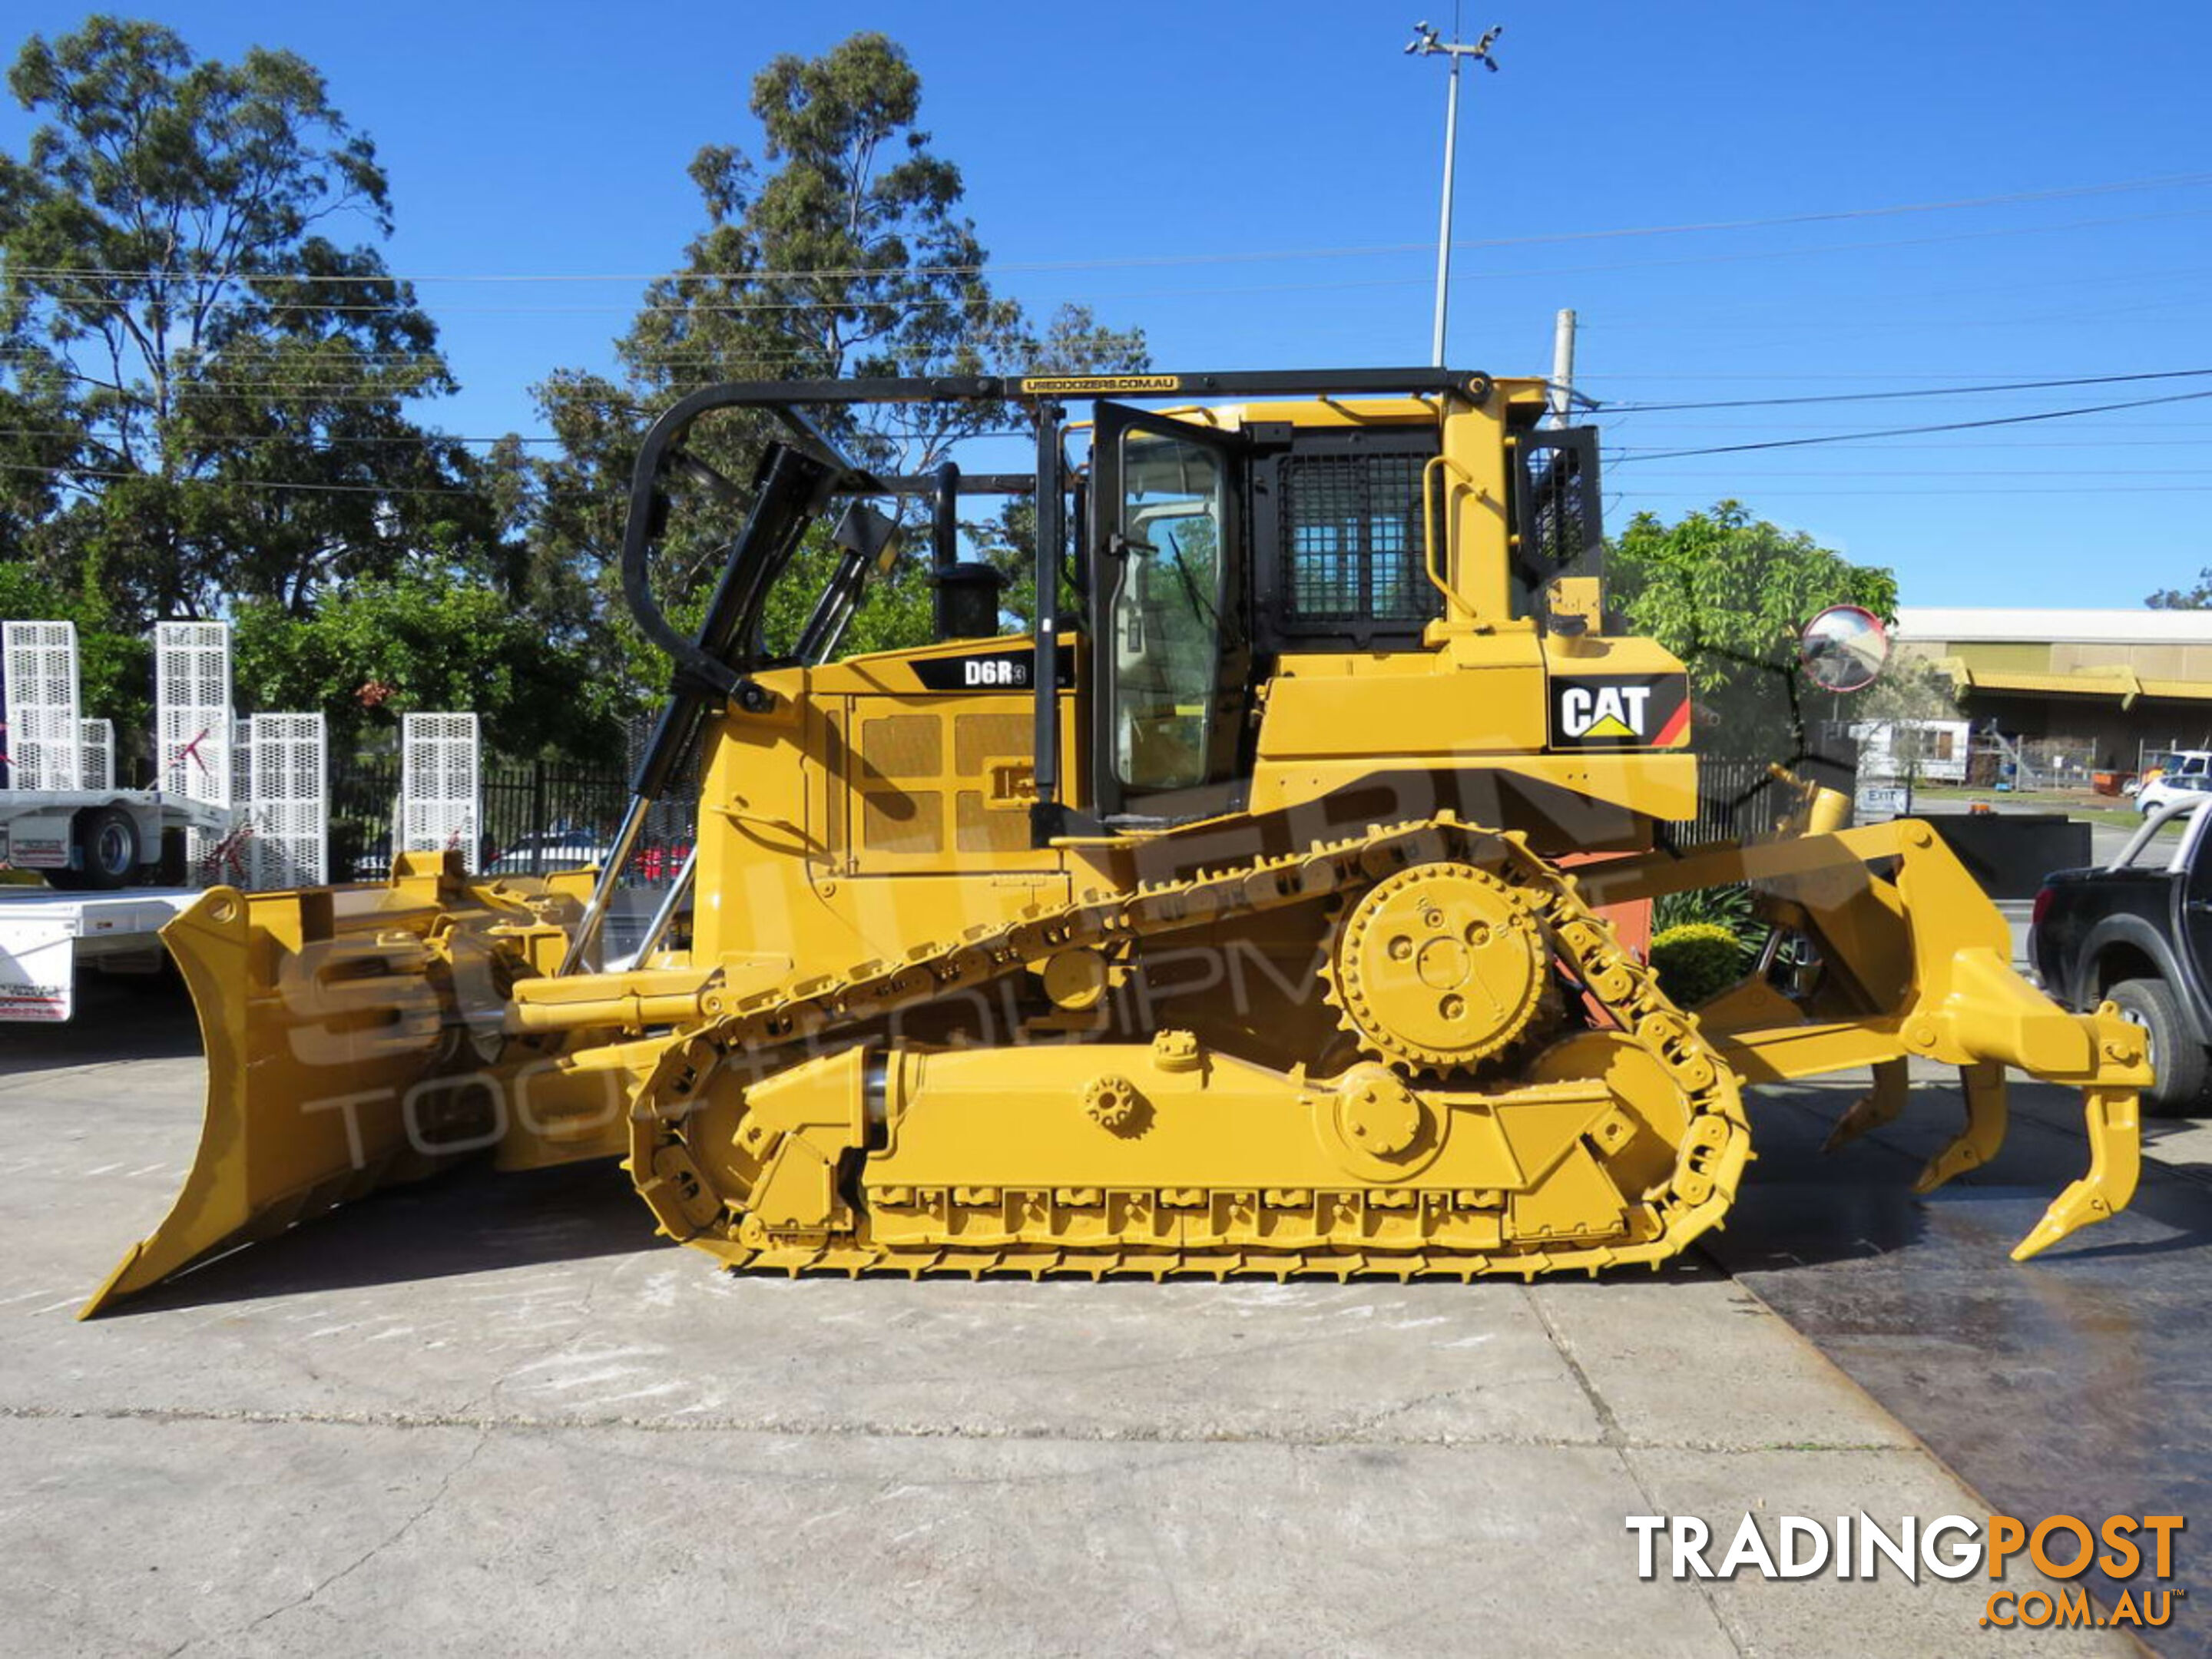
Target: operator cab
1214	550
1316	515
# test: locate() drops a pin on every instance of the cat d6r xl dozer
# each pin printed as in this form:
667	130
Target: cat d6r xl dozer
1250	916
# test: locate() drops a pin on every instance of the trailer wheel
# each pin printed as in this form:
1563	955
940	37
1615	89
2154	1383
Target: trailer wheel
107	847
2178	1059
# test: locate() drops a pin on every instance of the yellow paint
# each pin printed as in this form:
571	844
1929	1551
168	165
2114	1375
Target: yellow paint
1325	1032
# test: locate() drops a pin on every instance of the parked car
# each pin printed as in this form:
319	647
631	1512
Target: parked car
2137	933
544	853
2172	764
2171	786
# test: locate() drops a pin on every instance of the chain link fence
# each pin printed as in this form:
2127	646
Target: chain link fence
2001	763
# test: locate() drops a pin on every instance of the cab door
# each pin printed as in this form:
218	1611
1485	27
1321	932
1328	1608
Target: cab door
1171	622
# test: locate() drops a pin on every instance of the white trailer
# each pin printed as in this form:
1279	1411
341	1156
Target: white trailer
63	816
1931	751
96	839
46	937
91	841
239	800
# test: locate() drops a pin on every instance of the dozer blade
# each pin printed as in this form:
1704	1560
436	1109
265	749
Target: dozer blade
353	1040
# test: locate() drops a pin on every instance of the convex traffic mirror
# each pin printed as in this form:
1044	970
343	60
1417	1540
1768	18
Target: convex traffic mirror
1842	648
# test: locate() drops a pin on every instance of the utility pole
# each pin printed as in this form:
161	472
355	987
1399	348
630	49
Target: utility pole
1426	43
1562	390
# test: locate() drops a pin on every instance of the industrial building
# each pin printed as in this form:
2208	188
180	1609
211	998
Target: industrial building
2083	692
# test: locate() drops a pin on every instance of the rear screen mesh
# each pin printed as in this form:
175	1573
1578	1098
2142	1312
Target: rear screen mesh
1351	547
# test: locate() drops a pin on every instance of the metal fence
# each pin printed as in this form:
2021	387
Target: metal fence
1735	798
2001	763
1740	797
539	816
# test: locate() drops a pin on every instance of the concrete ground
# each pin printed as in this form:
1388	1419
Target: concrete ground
491	1416
2070	1384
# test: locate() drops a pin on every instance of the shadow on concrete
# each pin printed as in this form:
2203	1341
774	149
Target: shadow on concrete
117	1017
2072	1384
1793	1211
466	1221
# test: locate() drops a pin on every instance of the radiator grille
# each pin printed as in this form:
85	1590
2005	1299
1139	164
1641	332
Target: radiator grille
979	737
903	822
903	746
982	830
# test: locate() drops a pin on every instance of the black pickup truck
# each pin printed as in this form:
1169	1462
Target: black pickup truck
2138	933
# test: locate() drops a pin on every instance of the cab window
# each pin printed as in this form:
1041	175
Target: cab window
1168	613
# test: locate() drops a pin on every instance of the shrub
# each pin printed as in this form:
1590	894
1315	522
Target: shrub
1696	960
1727	906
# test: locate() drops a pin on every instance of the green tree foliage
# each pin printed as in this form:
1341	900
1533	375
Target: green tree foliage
115	665
1911	687
2198	598
381	647
205	387
221	382
840	250
1727	593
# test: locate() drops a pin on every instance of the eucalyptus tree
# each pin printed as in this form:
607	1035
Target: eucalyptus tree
840	249
218	370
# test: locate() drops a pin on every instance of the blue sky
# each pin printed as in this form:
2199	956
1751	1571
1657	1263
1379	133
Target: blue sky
1139	156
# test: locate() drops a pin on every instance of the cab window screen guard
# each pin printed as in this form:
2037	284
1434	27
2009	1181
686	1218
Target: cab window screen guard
1351	540
1557	530
1337	521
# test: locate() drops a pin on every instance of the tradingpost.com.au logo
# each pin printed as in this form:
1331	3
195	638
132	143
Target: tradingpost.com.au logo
2061	1547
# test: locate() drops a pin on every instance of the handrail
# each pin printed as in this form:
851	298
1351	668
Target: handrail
1429	530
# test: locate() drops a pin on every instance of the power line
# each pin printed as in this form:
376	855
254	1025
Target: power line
396	440
104	433
1909	431
291	487
255	483
1890	324
2072	283
2030	490
1617	449
2185	180
1927	392
1813	374
1614	453
1954	472
692	308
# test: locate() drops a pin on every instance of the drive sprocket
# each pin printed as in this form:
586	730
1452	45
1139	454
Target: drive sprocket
1439	968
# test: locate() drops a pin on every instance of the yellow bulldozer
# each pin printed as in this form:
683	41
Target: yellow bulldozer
1253	914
